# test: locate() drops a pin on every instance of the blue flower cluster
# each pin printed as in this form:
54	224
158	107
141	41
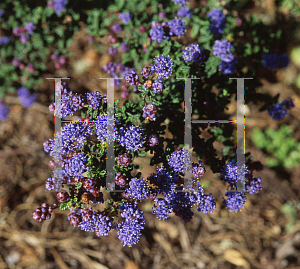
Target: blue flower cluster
218	20
101	128
222	49
75	166
237	200
158	33
179	158
25	97
138	189
94	99
162	66
4	40
274	60
4	111
97	222
117	29
279	110
125	17
158	86
184	12
193	53
181	2
129	230
59	6
131	137
177	27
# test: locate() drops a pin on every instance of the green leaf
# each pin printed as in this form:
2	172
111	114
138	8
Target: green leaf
195	30
69	42
66	205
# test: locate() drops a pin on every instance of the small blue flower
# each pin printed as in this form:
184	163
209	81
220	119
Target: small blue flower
222	49
277	111
235	201
162	66
125	17
184	12
4	110
25	97
177	27
218	20
59	6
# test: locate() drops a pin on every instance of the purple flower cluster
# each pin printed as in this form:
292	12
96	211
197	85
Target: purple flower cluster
25	97
229	173
101	128
150	111
129	230
75	166
4	110
124	46
218	20
158	86
162	208
153	140
94	99
179	158
227	68
116	28
177	27
4	40
193	53
125	17
279	110
235	201
146	72
184	12
162	66
132	78
124	160
207	204
131	137
58	5
97	222
158	33
198	170
114	68
74	136
1	12
222	49
112	50
164	181
181	2
24	31
59	60
138	189
274	60
69	102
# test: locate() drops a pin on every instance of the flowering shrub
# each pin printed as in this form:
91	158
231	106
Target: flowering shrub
157	47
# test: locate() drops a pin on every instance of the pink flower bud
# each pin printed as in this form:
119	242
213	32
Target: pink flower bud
57	66
112	39
21	66
30	68
62	60
142	29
